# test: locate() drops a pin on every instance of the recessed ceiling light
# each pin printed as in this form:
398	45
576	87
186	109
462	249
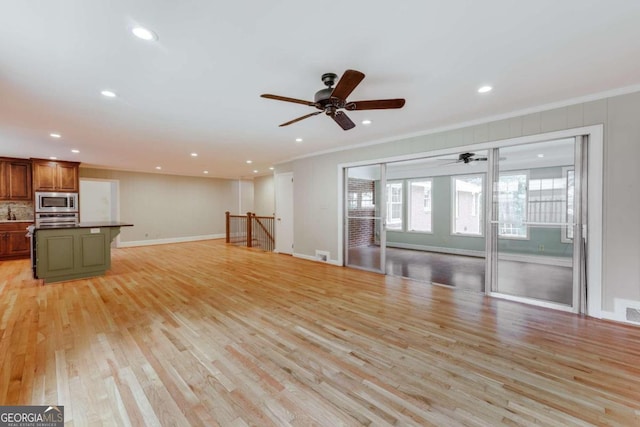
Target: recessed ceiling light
53	158
55	135
271	168
108	94
541	155
366	122
298	139
144	33
205	171
194	154
75	151
249	162
484	89
255	171
158	167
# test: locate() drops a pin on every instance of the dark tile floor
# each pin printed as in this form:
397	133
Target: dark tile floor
536	281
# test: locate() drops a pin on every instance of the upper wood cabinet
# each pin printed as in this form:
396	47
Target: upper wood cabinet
15	179
49	175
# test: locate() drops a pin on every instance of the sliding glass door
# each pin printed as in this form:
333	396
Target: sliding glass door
506	219
535	223
364	217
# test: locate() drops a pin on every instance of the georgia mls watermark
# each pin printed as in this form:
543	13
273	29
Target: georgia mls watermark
31	416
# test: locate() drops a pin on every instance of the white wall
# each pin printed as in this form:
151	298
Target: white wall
316	191
264	196
97	201
165	208
245	187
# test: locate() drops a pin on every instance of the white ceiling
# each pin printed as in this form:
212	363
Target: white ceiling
197	89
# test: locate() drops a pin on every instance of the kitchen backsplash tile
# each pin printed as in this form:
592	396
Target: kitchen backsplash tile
23	211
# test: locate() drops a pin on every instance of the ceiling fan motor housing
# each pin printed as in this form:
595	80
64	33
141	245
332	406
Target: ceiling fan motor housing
323	97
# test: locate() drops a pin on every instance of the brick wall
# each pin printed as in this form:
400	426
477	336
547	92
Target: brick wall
361	231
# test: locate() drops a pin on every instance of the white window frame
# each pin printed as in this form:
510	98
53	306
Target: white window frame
526	205
564	237
455	207
389	208
408	205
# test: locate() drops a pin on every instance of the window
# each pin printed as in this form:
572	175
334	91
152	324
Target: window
360	194
467	208
366	200
512	205
394	206
353	200
547	200
567	235
419	205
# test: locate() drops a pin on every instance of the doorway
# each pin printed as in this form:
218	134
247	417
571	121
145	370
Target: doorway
509	222
284	213
365	235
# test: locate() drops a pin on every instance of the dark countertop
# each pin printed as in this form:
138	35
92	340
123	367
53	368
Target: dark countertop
97	224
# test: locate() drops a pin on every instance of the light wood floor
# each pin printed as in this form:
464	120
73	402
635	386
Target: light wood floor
205	334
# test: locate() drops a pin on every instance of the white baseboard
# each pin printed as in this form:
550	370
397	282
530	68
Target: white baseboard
170	240
619	313
313	258
531	259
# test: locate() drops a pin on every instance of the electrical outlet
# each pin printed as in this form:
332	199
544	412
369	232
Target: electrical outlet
540	248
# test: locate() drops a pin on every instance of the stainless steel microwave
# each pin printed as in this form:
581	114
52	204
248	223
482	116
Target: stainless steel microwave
56	202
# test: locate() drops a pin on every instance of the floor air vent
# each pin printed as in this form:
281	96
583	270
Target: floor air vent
633	314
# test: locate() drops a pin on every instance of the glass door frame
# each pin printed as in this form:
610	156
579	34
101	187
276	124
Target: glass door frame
380	219
579	291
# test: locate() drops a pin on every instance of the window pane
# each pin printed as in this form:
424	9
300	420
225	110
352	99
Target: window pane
394	206
468	205
512	205
420	205
570	197
547	200
367	199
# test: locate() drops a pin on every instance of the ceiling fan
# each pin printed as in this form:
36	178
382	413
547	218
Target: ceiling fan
332	100
467	158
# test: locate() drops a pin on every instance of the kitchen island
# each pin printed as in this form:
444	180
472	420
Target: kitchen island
73	251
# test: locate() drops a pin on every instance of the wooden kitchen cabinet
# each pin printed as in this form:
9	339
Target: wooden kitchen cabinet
15	179
49	175
13	240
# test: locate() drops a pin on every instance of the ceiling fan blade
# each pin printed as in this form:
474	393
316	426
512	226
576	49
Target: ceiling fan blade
343	120
306	116
378	104
348	82
284	98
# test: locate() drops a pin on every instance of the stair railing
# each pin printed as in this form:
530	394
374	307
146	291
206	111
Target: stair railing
250	230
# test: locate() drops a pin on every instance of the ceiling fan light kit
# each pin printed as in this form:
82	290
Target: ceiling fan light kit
332	100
